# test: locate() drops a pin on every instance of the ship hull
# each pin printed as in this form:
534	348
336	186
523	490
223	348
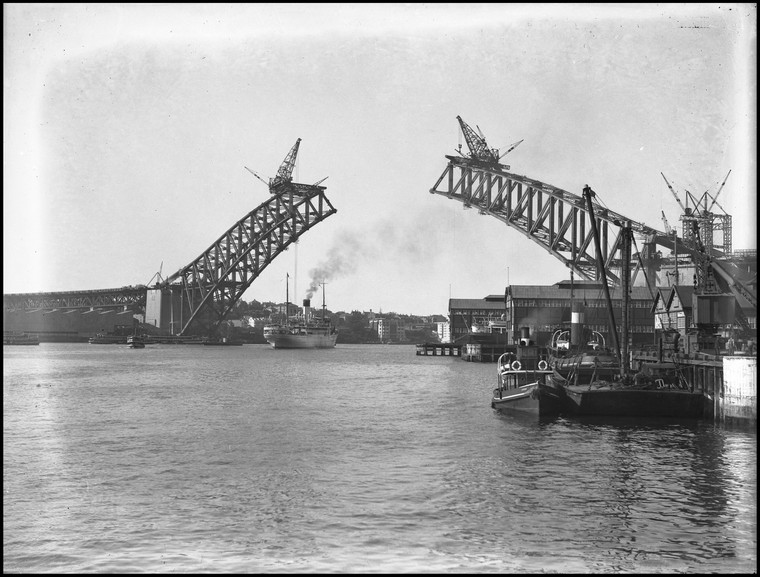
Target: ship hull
634	403
310	341
523	399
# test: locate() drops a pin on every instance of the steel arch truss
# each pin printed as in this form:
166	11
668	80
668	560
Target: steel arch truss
554	218
215	281
559	221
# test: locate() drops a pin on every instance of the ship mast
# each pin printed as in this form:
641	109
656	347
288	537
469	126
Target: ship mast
323	301
626	287
588	193
287	301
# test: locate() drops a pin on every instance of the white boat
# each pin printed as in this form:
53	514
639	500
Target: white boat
303	332
135	342
519	377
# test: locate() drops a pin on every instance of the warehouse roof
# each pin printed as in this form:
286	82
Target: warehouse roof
555	292
684	293
476	304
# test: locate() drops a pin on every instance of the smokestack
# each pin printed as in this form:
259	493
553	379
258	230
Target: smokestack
306	309
525	336
576	324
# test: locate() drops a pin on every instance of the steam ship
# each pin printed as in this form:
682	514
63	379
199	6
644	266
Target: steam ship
303	332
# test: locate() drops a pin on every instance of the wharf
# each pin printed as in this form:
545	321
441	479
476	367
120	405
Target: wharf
485	352
173	340
484	347
11	338
438	349
728	381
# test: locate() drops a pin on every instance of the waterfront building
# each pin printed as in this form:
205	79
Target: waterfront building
679	304
466	313
674	312
543	309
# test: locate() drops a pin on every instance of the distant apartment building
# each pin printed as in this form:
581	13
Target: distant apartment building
443	330
388	330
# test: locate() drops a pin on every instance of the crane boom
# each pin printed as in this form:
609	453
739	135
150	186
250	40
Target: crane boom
715	198
511	148
665	222
285	172
477	144
678	200
256	175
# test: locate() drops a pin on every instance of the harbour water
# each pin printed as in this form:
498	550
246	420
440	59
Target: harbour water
181	458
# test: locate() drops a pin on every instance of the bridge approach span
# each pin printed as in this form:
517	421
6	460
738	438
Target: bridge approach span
125	297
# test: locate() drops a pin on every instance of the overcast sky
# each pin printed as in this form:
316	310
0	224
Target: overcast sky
127	127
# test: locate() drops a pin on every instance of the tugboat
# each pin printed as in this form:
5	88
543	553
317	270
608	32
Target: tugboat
135	342
519	375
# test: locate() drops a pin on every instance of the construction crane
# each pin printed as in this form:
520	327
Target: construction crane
265	182
699	225
707	221
284	173
284	179
479	149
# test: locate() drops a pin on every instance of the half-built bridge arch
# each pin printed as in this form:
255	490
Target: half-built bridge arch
198	297
560	222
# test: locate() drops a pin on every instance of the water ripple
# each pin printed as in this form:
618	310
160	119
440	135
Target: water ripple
358	459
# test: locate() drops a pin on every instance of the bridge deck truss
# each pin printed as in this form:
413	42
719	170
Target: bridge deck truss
133	297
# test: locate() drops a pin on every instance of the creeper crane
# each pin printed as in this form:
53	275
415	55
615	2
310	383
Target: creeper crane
284	173
479	149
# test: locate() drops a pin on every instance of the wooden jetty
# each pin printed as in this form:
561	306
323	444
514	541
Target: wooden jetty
438	349
485	352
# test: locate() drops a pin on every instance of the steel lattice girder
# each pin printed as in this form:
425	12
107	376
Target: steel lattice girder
215	281
127	296
558	220
554	218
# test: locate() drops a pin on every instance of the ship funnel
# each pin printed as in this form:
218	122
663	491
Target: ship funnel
576	324
524	336
306	309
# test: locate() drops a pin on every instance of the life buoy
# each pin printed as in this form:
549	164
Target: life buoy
542	365
516	366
